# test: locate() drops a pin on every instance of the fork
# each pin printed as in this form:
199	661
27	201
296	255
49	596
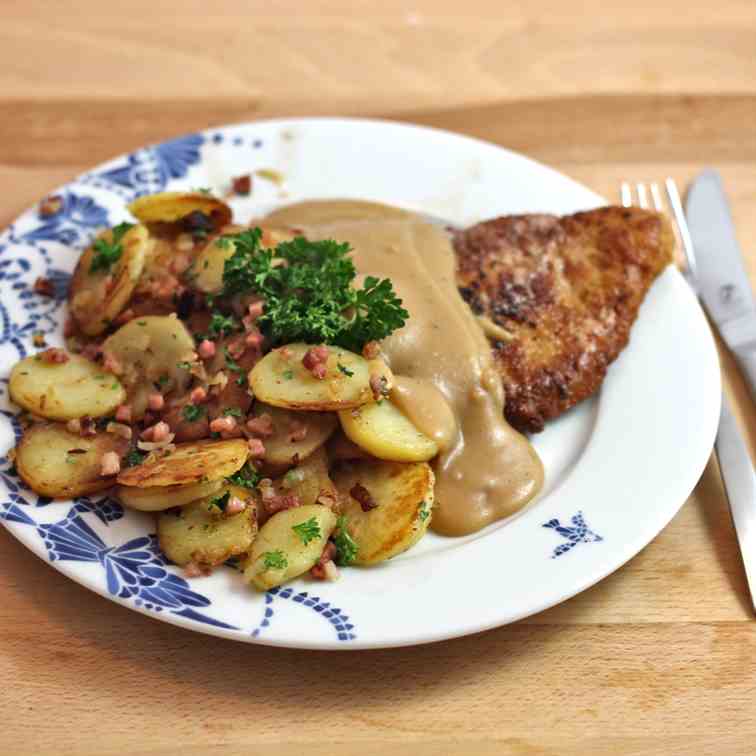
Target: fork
735	464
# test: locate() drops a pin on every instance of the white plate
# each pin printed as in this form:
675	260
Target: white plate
618	468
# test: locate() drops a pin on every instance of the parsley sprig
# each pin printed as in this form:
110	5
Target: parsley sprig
246	477
308	291
106	253
308	530
346	547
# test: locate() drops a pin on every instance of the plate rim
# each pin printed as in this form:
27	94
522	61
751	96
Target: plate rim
593	576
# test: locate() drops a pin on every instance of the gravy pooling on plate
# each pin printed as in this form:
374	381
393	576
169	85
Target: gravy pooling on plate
446	382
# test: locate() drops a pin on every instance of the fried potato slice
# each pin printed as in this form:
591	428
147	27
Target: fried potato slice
158	498
201	533
169	207
96	297
282	380
296	435
403	495
154	349
60	464
280	553
196	462
310	481
66	390
383	430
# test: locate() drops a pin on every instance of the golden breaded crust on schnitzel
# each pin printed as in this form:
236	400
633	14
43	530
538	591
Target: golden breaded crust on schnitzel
563	293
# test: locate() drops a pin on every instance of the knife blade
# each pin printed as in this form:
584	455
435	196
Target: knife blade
740	484
720	274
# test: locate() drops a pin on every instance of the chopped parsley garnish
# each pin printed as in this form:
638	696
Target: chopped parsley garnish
288	374
232	412
345	370
184	365
422	512
346	548
241	380
275	560
220	325
192	412
246	477
307	531
219	502
107	253
310	296
134	458
231	363
163	381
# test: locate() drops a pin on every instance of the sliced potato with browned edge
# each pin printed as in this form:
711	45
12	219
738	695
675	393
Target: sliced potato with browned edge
196	462
96	297
281	379
65	390
280	448
403	494
157	498
152	349
280	553
383	430
200	532
169	207
60	464
309	480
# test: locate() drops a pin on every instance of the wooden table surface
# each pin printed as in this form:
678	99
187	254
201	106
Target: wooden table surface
660	658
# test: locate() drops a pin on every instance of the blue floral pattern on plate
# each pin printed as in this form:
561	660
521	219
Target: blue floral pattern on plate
575	535
38	245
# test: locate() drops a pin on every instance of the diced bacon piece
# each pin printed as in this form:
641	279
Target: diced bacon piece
119	429
235	505
242	185
281	502
261	426
54	356
74	426
69	327
256	448
44	286
157	433
51	206
92	352
123	413
254	339
110	464
198	395
222	424
206	349
371	350
155	402
315	360
125	316
112	365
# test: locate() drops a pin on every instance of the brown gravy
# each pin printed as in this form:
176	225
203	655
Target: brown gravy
447	383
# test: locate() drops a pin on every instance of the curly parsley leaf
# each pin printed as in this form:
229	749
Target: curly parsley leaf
346	548
307	531
106	253
309	294
134	458
192	412
220	502
246	477
275	560
220	325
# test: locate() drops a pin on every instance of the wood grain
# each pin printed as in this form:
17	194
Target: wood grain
657	658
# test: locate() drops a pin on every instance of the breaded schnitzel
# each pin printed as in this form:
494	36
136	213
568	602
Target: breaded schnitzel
558	296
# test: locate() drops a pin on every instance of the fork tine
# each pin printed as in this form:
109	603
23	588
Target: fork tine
682	226
642	198
656	197
627	194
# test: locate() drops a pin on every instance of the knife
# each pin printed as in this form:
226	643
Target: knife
720	274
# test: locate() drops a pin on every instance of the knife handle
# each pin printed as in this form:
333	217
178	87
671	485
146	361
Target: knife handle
746	357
